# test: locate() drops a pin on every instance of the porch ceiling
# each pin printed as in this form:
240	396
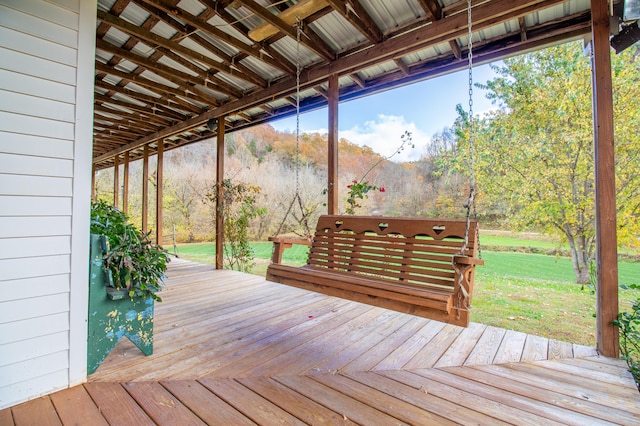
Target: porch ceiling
165	67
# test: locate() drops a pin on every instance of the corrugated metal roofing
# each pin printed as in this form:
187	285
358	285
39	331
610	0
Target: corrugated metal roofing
371	44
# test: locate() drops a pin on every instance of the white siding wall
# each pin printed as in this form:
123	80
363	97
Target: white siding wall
46	95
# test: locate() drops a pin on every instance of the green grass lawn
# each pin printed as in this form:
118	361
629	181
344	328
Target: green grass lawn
526	292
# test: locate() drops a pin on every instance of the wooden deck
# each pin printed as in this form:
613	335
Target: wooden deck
231	348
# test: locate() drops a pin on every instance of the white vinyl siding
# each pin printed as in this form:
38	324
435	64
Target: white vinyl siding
46	96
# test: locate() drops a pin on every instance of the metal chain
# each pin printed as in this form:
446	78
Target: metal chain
298	31
470	62
464	299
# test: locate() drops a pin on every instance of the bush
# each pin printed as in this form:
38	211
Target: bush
629	327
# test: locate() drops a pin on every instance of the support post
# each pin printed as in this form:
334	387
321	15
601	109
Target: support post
607	338
145	189
125	184
116	181
159	192
332	184
220	195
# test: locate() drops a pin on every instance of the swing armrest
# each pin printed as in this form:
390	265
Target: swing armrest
466	260
280	244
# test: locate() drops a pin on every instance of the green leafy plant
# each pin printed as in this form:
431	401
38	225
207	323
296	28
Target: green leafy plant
131	260
628	324
239	208
359	189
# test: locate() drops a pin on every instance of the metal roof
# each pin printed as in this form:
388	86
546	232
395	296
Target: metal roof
165	67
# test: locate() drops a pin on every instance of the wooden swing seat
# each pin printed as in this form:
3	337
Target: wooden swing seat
410	265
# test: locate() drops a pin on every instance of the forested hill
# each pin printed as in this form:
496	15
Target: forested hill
264	157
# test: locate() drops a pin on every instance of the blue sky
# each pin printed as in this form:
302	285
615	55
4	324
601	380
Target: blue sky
379	120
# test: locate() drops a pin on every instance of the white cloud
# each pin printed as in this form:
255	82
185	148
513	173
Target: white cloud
383	135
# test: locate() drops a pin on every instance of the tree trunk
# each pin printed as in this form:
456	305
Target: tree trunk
578	258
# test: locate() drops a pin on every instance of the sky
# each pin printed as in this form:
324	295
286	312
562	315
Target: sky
379	120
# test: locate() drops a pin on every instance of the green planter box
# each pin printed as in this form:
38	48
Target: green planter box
112	317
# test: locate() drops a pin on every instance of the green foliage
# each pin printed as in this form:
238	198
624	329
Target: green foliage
239	208
628	324
359	191
536	153
131	260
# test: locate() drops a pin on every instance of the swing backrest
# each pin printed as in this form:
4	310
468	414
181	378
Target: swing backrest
412	251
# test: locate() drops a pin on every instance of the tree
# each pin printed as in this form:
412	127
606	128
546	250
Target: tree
536	151
239	208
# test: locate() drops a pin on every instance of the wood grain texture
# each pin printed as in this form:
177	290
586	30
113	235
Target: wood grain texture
417	266
234	349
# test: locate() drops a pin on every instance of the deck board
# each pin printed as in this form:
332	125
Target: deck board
205	404
116	405
232	348
77	403
301	407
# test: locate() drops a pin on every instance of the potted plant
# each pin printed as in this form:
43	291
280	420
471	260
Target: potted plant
133	265
126	272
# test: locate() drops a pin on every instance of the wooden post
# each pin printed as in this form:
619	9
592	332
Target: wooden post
125	184
332	194
220	196
159	192
116	180
145	189
607	338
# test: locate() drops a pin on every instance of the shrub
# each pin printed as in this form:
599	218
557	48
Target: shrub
629	327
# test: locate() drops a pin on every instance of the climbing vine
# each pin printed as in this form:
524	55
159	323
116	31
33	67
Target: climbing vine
239	208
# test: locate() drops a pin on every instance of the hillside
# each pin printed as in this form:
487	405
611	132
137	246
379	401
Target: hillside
264	157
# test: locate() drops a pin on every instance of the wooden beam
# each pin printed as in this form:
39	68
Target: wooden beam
607	338
125	184
220	35
357	16
159	180
151	85
116	181
190	30
332	160
402	66
285	64
314	43
153	102
435	13
302	9
220	195
165	71
523	28
155	39
485	15
145	189
133	121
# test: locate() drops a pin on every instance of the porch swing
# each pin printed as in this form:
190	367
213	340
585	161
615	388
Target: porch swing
419	266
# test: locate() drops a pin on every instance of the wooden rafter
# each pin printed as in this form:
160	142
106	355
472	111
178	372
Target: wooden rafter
183	80
357	16
147	111
434	12
172	103
439	24
311	40
285	64
155	39
220	35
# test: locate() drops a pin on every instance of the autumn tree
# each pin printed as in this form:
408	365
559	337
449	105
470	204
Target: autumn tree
240	207
536	152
